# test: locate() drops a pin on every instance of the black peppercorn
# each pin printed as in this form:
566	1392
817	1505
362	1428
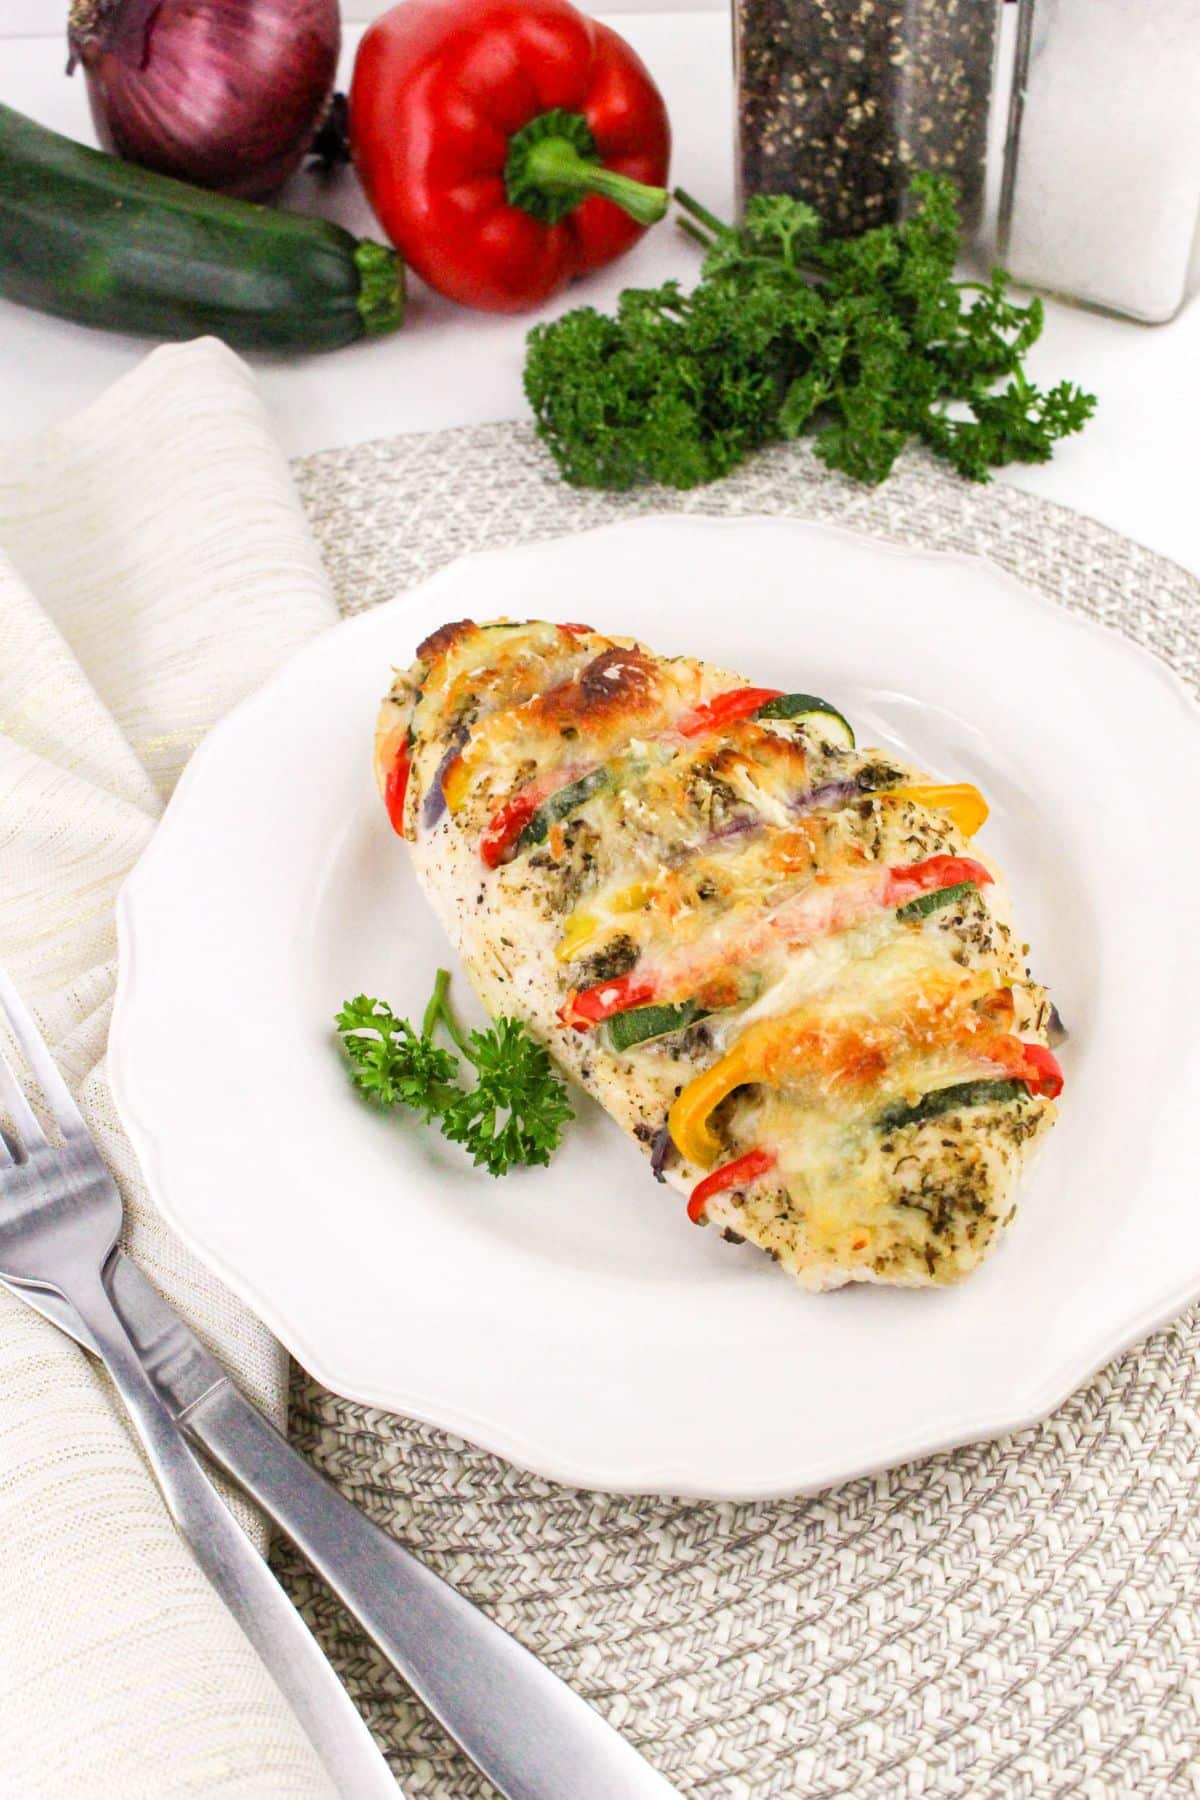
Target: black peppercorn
841	101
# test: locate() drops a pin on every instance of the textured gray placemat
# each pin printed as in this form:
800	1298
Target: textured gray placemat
1016	1618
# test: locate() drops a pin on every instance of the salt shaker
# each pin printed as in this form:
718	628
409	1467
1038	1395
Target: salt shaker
840	102
1101	195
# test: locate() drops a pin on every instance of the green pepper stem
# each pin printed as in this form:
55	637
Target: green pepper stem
689	204
694	232
553	164
556	167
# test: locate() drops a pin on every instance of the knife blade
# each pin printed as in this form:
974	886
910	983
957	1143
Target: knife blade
530	1734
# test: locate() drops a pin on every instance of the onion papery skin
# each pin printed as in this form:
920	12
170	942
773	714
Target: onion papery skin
227	94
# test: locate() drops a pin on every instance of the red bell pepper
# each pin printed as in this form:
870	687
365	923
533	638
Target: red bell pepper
396	787
734	1174
1031	1063
506	146
724	709
1043	1071
1047	1075
892	887
607	998
908	882
507	824
509	821
506	827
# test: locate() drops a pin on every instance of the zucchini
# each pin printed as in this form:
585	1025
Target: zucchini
924	904
560	804
949	1099
646	1022
810	709
90	237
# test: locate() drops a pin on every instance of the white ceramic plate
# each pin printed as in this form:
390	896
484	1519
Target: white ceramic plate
571	1318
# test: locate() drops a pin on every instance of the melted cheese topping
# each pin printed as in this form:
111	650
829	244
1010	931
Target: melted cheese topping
743	870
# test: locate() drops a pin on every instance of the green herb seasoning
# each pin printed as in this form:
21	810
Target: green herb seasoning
840	102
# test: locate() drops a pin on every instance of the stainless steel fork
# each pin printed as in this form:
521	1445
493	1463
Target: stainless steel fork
60	1214
532	1735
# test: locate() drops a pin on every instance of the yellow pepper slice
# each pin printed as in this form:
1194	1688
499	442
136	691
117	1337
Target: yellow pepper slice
755	1057
963	801
767	1051
455	782
688	1119
582	927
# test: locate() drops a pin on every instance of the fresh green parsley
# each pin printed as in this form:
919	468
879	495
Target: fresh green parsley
866	342
511	1117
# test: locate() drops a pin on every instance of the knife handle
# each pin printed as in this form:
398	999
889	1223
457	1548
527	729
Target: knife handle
533	1736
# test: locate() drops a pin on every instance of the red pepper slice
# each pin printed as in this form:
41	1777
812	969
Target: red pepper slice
593	1005
734	1174
396	787
608	997
512	818
1031	1063
507	826
641	989
577	630
724	709
927	877
1047	1077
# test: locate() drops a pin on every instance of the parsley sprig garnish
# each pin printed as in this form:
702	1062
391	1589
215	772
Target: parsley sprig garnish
867	342
511	1117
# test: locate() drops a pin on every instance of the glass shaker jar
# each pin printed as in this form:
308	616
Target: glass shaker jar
840	102
1101	197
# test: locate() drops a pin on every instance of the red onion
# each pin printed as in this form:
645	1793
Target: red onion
832	793
662	1152
224	93
435	800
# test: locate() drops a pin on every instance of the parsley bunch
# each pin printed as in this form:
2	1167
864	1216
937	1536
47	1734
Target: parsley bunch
513	1115
866	341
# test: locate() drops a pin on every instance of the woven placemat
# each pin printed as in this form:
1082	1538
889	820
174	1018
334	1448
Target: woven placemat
1015	1618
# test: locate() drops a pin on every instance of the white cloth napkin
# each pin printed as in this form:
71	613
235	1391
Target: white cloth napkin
154	567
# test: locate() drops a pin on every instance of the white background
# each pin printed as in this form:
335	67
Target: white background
1135	466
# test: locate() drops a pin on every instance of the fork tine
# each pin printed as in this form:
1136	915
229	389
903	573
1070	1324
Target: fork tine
54	1089
14	1103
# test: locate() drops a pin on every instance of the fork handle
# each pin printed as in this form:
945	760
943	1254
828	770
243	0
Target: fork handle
230	1561
532	1735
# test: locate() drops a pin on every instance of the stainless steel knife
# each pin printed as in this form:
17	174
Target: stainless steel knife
529	1733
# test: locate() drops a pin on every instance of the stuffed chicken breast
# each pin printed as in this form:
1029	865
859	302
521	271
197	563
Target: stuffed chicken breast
776	959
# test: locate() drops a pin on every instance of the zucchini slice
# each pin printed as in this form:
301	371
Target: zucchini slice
646	1022
924	904
811	709
560	804
949	1099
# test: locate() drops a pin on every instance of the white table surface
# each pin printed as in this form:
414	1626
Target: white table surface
1135	466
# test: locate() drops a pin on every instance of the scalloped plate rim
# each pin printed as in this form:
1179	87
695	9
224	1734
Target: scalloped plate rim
607	1474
